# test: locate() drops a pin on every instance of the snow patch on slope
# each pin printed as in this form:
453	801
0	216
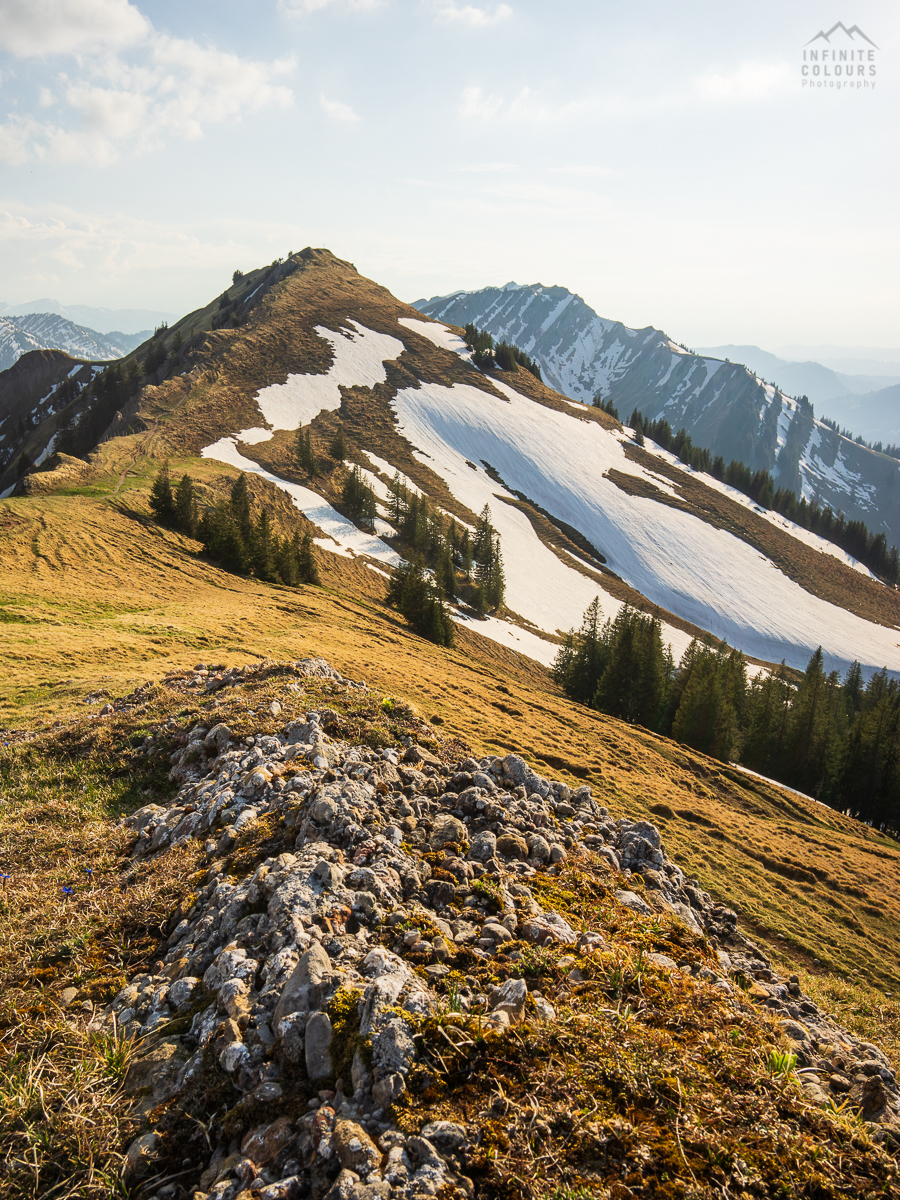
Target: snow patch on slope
774	518
438	335
525	642
676	560
346	539
359	358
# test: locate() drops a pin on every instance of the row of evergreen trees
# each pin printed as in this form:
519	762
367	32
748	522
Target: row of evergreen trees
305	451
357	496
231	535
421	601
852	536
444	563
837	740
466	567
488	353
889	448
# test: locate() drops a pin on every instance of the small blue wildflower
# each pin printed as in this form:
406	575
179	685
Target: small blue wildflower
4	878
67	891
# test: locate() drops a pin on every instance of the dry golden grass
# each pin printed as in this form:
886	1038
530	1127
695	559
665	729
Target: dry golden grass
76	923
647	1083
97	596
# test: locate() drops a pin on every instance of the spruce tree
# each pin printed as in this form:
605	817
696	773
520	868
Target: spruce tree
162	502
306	456
489	576
581	659
185	507
264	547
240	509
397	500
445	576
306	559
412	592
358	498
338	447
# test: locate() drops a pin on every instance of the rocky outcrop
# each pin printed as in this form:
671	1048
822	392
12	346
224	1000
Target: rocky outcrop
342	886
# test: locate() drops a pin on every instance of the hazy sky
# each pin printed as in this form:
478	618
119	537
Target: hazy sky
663	160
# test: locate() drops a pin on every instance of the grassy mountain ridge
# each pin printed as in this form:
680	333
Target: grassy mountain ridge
101	605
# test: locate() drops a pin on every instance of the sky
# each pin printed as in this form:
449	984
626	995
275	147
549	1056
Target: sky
664	161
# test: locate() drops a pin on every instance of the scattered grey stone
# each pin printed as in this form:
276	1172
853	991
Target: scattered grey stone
258	958
355	1149
510	998
447	830
318	1042
633	901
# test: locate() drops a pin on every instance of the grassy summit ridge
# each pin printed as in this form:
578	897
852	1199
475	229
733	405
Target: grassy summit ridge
97	599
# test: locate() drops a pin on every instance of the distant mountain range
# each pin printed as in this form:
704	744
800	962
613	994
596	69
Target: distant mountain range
48	331
864	403
813	379
104	320
724	406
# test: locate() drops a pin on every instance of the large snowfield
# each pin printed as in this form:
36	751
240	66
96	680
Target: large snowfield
702	574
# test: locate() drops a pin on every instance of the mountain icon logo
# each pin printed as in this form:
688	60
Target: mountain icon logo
851	32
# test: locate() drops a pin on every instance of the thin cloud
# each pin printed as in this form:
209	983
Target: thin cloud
42	27
479	168
168	88
525	107
51	240
337	110
300	8
750	81
584	171
470	15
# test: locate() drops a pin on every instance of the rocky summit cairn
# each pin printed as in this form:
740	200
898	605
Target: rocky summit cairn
302	979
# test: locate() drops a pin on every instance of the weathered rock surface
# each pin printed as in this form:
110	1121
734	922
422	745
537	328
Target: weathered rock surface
293	976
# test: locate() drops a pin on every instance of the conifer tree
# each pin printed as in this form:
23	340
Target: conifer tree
161	499
445	576
338	447
581	659
185	507
359	499
489	576
264	547
306	456
412	592
240	509
397	498
306	559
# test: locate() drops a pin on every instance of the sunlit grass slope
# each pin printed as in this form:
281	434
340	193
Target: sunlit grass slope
95	597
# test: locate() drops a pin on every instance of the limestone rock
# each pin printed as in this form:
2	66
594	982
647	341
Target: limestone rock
510	998
318	1043
510	845
306	985
266	1142
355	1149
447	830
